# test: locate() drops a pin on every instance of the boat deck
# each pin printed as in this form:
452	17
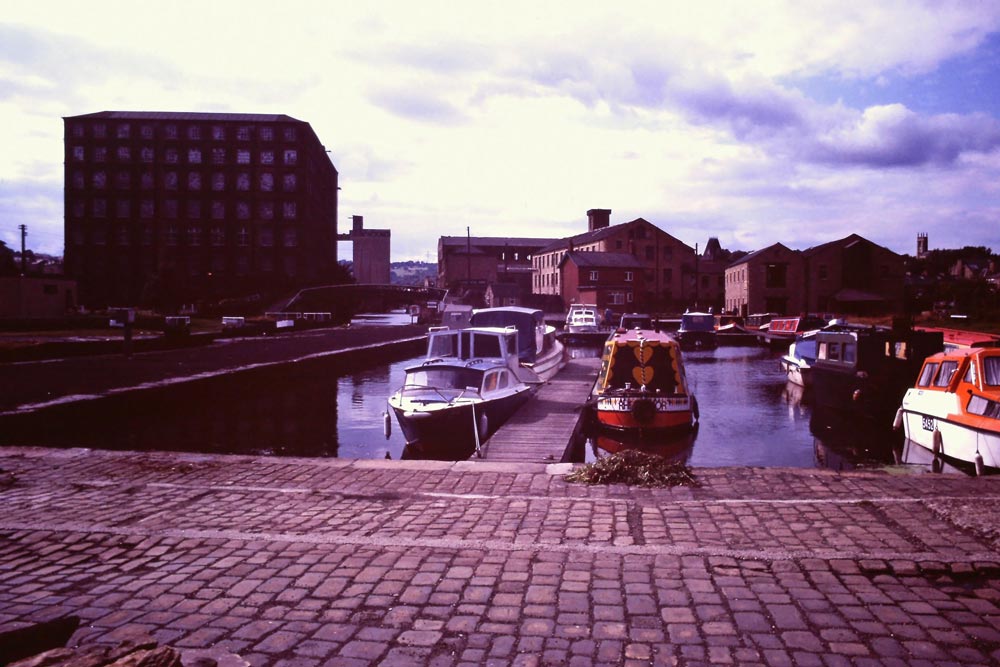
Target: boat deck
542	430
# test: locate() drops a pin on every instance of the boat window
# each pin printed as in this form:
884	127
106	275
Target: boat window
833	352
991	371
503	380
979	405
850	352
442	346
490	383
901	351
927	374
487	346
970	373
948	369
822	350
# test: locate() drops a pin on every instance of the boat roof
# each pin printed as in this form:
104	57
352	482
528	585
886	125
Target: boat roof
508	309
635	335
478	364
489	330
962	352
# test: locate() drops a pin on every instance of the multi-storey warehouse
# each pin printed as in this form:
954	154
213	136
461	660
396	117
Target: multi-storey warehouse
195	205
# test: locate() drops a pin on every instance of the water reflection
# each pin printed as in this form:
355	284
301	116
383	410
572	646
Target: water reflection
324	407
751	415
675	448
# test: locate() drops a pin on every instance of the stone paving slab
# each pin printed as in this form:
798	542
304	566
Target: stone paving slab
330	562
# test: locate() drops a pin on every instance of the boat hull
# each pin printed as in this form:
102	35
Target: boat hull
697	340
634	413
796	372
593	337
549	363
936	416
451	432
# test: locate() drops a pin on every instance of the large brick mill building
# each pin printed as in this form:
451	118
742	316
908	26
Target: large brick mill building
195	205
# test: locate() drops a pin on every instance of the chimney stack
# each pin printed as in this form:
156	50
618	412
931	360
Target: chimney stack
359	222
598	218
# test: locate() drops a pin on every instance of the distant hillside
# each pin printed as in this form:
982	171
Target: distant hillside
405	273
412	273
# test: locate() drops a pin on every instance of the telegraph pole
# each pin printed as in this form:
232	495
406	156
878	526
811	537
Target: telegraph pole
24	258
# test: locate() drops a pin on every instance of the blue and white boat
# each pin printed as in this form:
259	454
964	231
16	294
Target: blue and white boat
538	349
798	362
469	384
697	331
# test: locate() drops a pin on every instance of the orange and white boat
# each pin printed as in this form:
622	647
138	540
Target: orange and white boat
642	385
954	409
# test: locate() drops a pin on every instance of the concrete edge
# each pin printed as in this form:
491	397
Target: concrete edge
469	466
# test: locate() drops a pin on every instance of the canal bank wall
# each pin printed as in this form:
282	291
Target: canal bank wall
327	561
29	386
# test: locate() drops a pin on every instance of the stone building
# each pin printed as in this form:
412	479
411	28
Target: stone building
667	264
766	281
612	280
36	297
851	275
370	250
475	262
195	204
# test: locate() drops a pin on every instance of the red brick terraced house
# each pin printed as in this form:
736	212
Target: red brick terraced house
612	280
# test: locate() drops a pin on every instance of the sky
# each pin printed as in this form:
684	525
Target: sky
753	122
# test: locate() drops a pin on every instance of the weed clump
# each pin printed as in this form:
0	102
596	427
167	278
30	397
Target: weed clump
636	469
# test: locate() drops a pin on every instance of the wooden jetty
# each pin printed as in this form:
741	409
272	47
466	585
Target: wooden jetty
542	430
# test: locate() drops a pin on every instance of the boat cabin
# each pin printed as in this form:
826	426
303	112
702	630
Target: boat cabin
868	368
697	322
448	382
475	343
529	323
635	321
972	372
635	362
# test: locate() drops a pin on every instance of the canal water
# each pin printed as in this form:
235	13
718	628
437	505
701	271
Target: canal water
749	417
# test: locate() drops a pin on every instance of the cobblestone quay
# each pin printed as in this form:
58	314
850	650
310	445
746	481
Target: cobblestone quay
334	562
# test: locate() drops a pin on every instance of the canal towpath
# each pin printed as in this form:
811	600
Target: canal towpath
29	385
314	562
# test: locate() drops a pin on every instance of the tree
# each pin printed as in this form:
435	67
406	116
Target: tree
8	267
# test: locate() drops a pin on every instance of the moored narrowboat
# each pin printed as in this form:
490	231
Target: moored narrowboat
642	386
697	331
865	370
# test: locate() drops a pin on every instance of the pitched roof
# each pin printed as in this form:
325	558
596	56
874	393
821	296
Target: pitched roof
189	115
846	242
493	241
602	260
602	233
757	253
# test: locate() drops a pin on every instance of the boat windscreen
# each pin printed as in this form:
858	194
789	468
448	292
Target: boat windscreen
443	378
927	374
991	371
443	344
